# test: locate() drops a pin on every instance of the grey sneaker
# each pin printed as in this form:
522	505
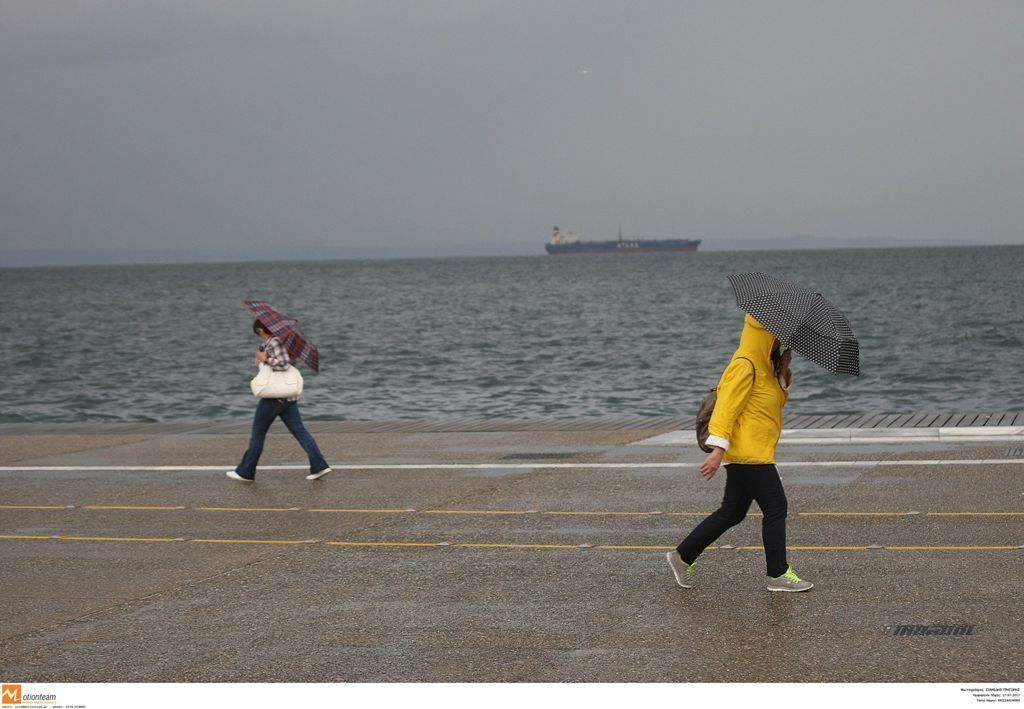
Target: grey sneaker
790	582
685	573
317	476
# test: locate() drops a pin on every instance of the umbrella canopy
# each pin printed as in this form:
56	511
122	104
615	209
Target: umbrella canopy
288	331
800	319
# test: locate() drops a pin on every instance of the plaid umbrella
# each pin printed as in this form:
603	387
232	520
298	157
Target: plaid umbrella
287	330
800	319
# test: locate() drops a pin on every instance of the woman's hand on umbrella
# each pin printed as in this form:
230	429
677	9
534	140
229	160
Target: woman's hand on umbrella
711	464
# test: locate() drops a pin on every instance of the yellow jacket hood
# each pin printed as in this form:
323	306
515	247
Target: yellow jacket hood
756	342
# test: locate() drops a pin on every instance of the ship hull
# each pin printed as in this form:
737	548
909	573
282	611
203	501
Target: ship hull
627	246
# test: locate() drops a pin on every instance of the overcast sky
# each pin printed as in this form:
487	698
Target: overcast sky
244	129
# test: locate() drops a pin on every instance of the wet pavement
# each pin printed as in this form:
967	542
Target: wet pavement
504	556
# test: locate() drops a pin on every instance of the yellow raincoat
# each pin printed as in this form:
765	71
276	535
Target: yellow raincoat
747	420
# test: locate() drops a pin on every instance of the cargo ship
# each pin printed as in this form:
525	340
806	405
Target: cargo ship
568	242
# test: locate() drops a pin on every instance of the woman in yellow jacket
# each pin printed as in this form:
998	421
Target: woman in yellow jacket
744	430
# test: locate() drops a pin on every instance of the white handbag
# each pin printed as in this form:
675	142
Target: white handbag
274	384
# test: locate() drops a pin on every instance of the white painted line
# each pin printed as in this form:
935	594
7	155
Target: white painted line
506	466
838	436
885	439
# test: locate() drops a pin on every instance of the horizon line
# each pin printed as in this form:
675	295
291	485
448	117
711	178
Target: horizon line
186	261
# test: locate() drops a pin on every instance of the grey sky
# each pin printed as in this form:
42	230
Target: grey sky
230	129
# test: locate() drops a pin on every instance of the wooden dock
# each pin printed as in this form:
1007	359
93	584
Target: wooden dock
480	425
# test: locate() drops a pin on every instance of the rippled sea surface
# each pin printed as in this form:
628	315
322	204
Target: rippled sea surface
521	337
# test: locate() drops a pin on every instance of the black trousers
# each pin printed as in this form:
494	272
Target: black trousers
743	485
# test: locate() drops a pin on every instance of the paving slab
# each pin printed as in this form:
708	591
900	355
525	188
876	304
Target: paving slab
536	569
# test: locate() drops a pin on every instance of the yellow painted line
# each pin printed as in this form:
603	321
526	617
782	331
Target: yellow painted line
127	507
979	514
359	511
475	512
820	548
248	541
604	514
381	544
808	548
25	536
705	514
498	545
575	513
886	547
115	539
950	548
517	546
852	514
245	509
33	507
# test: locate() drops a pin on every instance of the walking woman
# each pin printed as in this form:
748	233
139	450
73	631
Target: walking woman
273	353
744	430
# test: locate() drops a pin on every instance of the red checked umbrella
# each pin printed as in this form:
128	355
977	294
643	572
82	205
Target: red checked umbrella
288	331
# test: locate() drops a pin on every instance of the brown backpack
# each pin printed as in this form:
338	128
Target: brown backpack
707	407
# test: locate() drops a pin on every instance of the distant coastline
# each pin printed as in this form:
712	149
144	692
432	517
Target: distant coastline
45	258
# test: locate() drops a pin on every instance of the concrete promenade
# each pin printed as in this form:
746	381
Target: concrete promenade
503	555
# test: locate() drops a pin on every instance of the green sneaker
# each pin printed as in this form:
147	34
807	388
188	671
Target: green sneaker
790	582
684	572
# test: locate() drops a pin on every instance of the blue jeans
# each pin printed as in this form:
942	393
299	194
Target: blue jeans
266	412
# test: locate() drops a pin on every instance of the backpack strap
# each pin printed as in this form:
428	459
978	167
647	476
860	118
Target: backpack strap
751	366
707	407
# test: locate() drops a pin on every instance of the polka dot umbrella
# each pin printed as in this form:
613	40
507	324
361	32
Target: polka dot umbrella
800	319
